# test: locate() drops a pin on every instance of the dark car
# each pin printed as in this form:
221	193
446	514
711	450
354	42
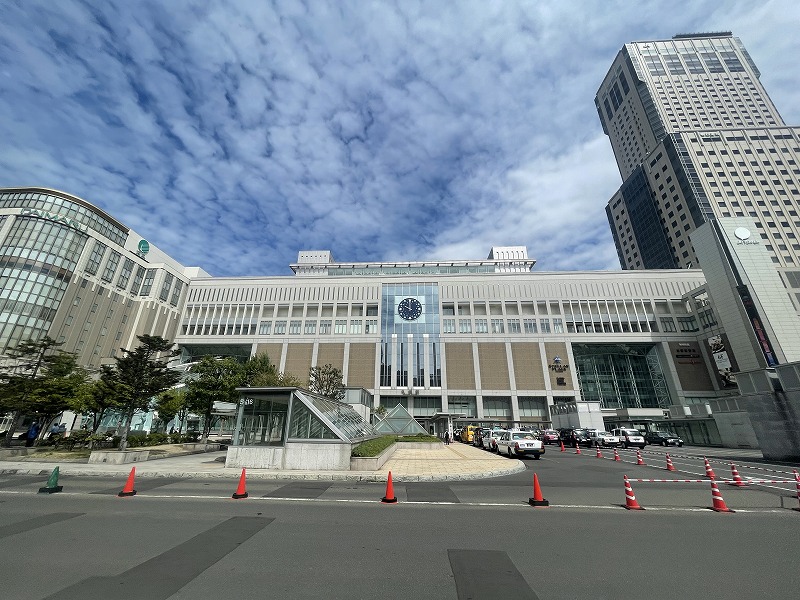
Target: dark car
575	436
663	438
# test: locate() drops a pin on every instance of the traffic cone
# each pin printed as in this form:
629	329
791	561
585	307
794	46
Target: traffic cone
577	448
670	466
737	479
616	456
709	472
52	486
389	498
630	499
716	497
599	454
639	459
537	499
797	480
562	447
241	490
128	489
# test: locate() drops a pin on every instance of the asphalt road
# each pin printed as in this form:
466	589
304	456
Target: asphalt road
473	539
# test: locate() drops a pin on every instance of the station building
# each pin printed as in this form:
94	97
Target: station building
482	341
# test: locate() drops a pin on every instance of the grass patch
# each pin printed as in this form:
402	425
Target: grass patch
375	446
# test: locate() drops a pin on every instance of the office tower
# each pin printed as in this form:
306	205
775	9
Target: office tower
697	138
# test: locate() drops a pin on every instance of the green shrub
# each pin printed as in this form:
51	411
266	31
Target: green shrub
372	447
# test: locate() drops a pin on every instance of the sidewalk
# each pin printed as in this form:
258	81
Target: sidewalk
448	463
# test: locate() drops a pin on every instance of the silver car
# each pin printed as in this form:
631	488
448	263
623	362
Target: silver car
604	439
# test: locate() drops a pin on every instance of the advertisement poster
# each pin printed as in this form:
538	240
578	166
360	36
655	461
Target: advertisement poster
725	368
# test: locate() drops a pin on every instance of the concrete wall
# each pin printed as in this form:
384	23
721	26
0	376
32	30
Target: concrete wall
255	457
301	456
317	456
736	430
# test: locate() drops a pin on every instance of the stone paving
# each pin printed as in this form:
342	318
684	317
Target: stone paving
448	463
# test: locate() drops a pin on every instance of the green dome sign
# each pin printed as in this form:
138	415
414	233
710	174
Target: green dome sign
144	246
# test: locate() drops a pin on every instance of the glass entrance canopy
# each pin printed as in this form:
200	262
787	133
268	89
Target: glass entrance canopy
273	416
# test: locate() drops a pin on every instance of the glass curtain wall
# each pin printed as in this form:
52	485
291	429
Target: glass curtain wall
37	261
621	375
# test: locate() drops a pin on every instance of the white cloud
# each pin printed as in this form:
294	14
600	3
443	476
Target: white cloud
232	135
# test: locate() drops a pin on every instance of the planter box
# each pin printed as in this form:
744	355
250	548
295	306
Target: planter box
17	451
420	445
373	463
202	447
115	457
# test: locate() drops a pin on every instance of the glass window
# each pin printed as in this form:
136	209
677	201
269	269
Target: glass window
465	325
355	327
310	328
166	286
497	326
544	325
111	266
341	326
448	325
176	292
125	274
96	257
514	326
295	327
558	325
325	327
149	277
530	325
667	324
264	327
280	327
481	326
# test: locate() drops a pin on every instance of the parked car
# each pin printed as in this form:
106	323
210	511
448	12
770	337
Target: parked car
604	439
490	439
518	443
663	438
549	436
573	436
629	437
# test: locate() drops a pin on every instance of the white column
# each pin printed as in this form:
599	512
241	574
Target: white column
410	355
427	352
394	361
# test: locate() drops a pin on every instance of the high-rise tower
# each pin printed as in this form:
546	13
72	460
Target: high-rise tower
696	138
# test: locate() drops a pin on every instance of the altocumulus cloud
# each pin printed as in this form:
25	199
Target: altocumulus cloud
233	134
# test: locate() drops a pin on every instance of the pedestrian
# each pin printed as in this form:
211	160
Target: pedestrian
446	438
33	432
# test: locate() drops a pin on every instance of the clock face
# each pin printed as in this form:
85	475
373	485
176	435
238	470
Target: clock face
409	309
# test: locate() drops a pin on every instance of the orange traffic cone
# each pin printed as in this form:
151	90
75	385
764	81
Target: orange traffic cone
639	459
241	490
630	499
616	456
537	499
562	447
797	480
577	448
737	479
599	454
709	472
128	489
389	497
716	497
670	466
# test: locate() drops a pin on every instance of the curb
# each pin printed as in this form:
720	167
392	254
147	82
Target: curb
275	475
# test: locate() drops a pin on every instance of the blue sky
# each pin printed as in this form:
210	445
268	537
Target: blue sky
232	134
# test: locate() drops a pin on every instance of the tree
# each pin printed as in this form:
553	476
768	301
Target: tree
171	404
260	372
60	383
326	381
20	374
138	376
98	399
213	379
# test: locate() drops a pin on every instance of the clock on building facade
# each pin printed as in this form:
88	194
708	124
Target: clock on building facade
409	309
